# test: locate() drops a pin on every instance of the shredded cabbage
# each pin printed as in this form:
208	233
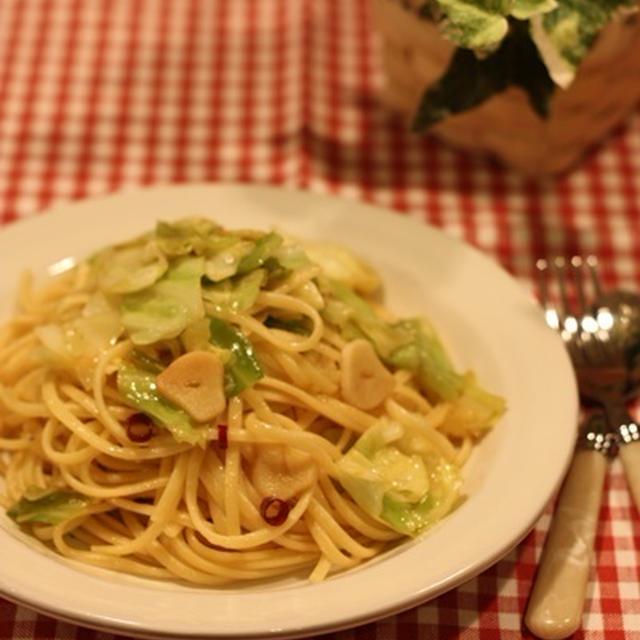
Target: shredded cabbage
397	477
168	307
47	507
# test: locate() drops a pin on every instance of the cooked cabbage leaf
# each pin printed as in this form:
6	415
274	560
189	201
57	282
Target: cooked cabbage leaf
138	387
264	248
165	309
76	345
356	318
224	264
396	476
235	294
131	267
48	506
472	407
414	345
340	264
242	368
199	236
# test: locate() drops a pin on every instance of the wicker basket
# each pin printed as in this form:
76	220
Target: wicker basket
606	89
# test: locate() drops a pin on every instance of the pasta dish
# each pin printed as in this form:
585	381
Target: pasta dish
215	405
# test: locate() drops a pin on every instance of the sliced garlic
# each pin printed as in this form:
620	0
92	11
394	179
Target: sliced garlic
364	380
282	471
195	382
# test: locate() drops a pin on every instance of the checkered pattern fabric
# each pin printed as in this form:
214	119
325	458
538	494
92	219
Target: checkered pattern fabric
98	95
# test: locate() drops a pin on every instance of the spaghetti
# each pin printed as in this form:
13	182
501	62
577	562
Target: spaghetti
216	406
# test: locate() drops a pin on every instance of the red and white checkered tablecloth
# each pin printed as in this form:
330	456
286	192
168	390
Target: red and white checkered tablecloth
98	95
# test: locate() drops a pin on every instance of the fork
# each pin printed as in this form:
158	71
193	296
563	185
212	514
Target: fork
556	602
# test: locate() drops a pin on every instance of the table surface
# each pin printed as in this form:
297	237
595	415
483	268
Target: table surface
104	95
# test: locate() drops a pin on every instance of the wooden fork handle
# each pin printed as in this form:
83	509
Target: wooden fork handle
630	455
556	603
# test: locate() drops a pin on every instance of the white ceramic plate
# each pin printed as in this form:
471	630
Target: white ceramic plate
486	318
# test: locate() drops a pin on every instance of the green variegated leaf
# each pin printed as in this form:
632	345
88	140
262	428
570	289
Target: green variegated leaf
475	25
482	24
469	80
525	9
565	35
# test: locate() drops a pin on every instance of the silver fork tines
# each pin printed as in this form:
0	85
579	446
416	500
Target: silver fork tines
584	328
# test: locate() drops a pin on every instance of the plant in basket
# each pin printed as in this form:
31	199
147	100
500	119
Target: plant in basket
480	72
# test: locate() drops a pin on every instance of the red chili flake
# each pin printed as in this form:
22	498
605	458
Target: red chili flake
223	439
139	427
274	511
